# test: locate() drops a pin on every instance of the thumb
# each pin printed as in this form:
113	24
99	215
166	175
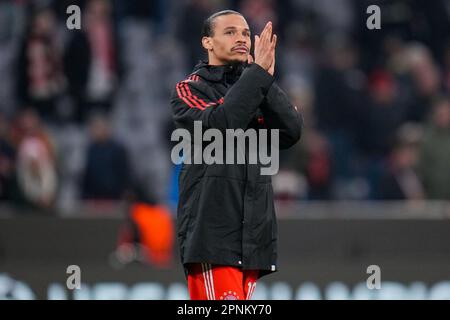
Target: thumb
249	59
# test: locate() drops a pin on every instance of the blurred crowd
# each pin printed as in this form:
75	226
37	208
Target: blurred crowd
85	116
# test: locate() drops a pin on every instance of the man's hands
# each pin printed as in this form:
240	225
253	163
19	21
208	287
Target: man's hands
265	49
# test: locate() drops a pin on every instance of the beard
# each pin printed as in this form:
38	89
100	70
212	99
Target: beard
237	63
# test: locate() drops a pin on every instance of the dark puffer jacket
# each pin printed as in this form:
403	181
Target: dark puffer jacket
226	212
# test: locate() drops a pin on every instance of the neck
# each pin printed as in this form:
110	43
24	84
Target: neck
213	61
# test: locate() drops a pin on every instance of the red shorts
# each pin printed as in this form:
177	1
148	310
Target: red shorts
217	282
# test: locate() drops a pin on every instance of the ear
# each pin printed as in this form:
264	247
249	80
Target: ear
206	43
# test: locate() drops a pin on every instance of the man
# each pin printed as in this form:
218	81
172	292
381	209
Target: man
227	228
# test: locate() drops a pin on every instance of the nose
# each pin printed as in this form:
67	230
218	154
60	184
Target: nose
241	39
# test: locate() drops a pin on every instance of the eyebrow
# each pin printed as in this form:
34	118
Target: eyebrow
234	28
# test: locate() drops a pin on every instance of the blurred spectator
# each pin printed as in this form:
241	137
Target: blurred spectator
312	162
36	167
107	173
11	26
385	113
395	56
401	181
40	79
7	162
318	166
297	57
435	152
340	100
147	235
91	61
426	82
434	17
447	68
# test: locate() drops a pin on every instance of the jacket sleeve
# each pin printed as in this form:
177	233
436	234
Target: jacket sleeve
279	113
238	107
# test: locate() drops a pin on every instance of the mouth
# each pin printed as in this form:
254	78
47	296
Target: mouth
240	49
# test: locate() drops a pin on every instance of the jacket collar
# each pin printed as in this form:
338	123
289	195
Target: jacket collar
225	73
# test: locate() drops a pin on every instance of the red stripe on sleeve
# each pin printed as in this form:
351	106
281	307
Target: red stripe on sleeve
187	99
181	95
194	96
181	89
193	101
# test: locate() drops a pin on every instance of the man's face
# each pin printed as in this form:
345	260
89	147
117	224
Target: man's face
230	41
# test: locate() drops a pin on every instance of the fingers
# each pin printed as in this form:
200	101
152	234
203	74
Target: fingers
274	41
272	66
265	45
266	27
266	39
267	34
263	35
257	40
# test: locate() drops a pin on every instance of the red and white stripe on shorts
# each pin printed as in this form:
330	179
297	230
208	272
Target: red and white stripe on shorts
217	282
208	281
